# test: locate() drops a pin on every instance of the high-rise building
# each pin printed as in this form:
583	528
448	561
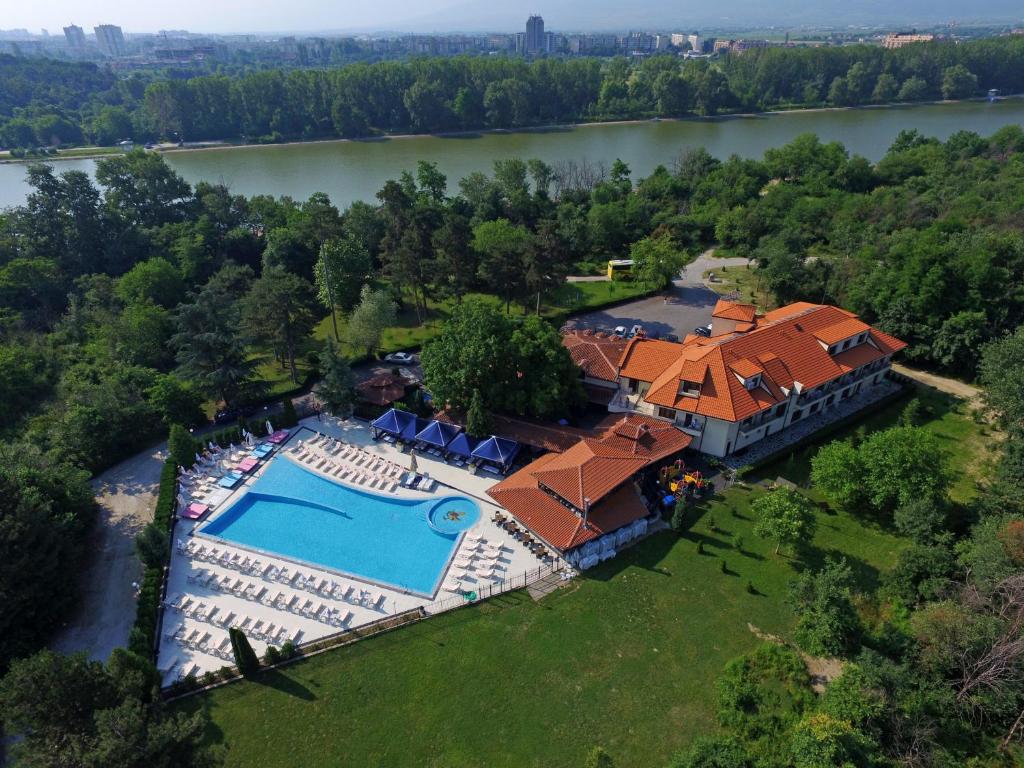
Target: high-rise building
534	34
110	40
75	36
696	43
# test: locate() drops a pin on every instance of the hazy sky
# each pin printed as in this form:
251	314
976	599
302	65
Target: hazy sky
473	15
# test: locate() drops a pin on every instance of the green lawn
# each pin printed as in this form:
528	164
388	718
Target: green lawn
743	280
624	657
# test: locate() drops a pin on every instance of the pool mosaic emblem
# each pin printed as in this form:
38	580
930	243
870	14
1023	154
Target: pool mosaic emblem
454	515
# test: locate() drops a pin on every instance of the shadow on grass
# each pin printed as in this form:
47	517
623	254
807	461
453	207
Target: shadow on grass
648	555
273	678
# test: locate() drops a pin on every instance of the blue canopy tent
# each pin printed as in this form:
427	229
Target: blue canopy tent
438	434
463	445
497	450
396	423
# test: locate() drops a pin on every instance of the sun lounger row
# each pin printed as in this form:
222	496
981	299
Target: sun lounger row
281	574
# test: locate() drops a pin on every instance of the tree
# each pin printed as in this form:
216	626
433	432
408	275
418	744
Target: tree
288	416
46	509
341	271
336	388
543	379
827	622
72	711
785	516
598	757
502	247
921	519
279	311
176	401
245	657
886	88
211	352
901	465
656	260
838	471
478	421
181	446
154	280
1002	375
820	740
913	89
151	545
375	313
679	515
142	189
958	82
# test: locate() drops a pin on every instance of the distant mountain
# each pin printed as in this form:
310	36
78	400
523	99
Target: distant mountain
584	15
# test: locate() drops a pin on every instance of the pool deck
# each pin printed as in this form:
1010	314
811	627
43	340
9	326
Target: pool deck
178	658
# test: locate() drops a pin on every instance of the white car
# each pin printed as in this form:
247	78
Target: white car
620	330
403	358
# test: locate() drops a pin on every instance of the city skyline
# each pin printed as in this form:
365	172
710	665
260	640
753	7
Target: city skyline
435	16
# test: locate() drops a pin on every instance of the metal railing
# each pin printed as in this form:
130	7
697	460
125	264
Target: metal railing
486	591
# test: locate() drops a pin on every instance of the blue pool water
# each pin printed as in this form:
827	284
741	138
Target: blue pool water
398	542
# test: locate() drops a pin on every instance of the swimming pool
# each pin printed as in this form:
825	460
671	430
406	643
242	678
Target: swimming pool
397	542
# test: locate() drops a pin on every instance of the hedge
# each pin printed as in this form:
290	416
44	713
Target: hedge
142	639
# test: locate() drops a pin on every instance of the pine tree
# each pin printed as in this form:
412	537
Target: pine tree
478	422
245	657
288	416
336	389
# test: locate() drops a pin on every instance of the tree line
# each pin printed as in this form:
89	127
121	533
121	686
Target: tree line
463	93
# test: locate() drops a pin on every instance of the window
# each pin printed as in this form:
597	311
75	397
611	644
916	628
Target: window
862	338
666	413
845	344
689	388
830	400
797	415
780	409
814	408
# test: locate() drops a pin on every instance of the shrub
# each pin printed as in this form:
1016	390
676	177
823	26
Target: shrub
700	547
272	656
151	545
724	568
750	588
288	650
288	416
181	446
679	516
147	610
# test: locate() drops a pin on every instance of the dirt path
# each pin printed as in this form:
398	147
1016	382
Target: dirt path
941	383
127	496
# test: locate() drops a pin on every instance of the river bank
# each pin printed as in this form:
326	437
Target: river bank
87	153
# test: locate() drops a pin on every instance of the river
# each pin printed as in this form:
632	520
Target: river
355	170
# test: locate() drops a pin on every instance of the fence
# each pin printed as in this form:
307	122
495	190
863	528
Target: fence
490	590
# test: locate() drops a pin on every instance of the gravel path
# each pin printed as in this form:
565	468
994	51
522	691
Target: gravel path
941	383
126	494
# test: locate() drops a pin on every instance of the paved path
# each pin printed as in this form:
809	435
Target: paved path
941	383
678	311
126	494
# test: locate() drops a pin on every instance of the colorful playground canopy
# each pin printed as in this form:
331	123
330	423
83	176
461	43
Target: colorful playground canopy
462	445
497	450
438	433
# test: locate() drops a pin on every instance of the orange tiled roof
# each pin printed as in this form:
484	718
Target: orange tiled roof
785	347
589	470
844	329
596	469
734	310
598	356
645	359
559	526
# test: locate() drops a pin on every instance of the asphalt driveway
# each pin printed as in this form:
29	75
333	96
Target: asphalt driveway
679	311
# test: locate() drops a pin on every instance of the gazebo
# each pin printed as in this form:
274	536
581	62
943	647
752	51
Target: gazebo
399	424
382	389
497	450
462	445
438	434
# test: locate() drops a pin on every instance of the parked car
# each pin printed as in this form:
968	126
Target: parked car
402	358
636	330
703	330
620	330
672	337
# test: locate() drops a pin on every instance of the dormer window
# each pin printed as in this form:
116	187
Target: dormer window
689	388
752	382
862	338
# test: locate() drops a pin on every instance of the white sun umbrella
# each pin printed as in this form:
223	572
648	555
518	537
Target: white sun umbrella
199	459
270	427
211	446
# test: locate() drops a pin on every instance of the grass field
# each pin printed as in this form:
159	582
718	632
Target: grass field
742	280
